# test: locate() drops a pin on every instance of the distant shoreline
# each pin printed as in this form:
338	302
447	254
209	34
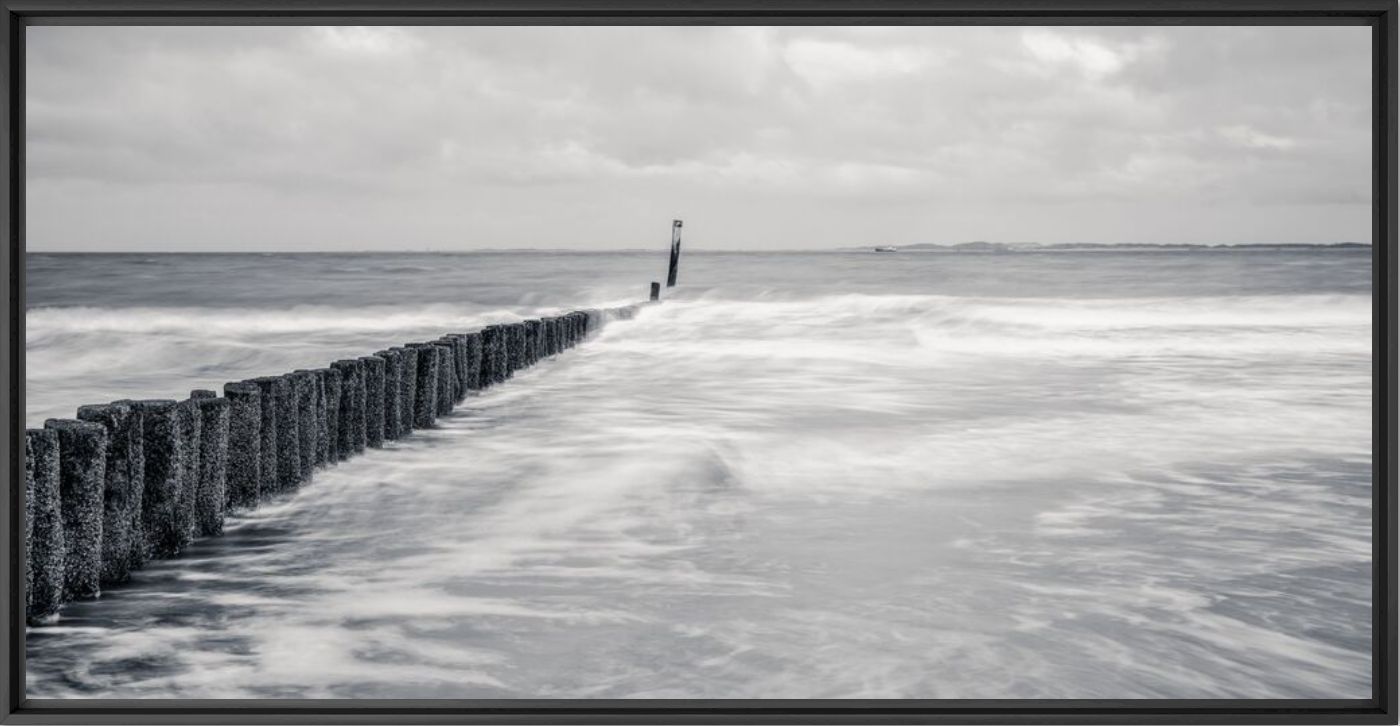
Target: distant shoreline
964	248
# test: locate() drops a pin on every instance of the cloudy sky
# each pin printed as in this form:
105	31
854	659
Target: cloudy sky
307	138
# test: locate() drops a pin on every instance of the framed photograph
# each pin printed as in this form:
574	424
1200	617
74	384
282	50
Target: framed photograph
456	361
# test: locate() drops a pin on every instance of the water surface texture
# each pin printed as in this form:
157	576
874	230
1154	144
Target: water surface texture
807	475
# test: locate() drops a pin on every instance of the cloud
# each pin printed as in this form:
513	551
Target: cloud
345	137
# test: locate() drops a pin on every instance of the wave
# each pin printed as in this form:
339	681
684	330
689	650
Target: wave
935	486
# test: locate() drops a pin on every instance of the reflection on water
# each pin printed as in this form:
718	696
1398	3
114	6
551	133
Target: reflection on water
1078	488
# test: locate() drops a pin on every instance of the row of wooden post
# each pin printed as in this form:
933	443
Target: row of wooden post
130	481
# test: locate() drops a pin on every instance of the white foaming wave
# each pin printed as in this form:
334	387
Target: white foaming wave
248	323
919	330
1030	313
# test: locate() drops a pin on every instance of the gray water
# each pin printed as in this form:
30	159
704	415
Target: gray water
810	475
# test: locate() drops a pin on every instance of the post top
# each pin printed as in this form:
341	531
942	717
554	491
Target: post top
98	409
242	387
72	424
148	404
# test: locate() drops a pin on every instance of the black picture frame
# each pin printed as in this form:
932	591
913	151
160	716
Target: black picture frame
1380	15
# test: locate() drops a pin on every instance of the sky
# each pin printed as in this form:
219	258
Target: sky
458	138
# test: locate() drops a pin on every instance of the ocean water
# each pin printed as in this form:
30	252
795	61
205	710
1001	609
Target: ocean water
1133	474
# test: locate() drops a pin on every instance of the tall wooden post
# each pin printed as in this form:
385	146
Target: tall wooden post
655	291
675	253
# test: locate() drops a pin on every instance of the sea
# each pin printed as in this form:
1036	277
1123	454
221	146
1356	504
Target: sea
1111	474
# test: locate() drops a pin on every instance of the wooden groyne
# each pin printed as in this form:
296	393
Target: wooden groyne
126	482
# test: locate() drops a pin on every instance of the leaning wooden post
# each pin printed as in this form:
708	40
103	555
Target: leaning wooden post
655	291
675	253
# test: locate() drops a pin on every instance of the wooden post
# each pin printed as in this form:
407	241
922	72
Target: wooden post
43	528
213	463
82	478
373	367
190	424
164	452
244	444
393	376
675	253
655	291
335	394
267	430
123	539
408	388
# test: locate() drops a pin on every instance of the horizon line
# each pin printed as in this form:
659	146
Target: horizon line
846	248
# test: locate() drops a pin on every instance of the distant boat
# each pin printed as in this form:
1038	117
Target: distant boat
886	249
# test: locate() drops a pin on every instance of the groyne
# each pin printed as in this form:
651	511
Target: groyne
126	482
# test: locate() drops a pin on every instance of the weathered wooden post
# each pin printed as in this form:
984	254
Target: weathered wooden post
189	421
320	425
655	291
122	537
493	339
267	468
503	348
82	477
408	389
164	450
43	526
244	444
675	253
287	432
540	337
374	400
461	354
352	407
446	378
425	405
517	347
213	463
547	334
393	375
334	395
472	346
308	427
527	348
459	364
454	372
488	353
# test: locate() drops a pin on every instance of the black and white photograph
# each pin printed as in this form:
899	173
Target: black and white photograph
726	361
